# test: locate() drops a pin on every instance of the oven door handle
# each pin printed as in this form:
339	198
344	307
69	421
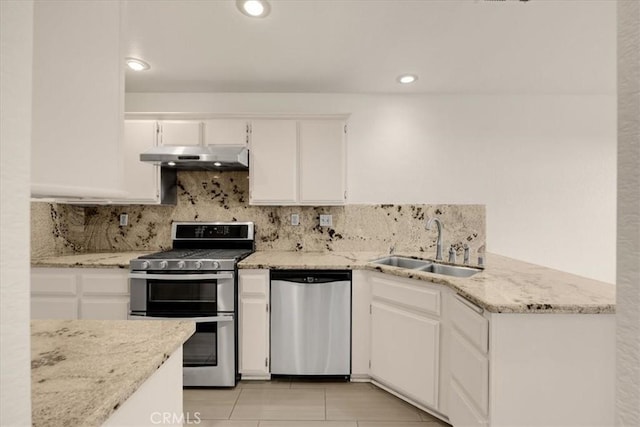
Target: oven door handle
173	277
203	319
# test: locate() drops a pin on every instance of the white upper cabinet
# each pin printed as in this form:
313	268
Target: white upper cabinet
322	161
142	179
78	100
226	132
297	162
180	132
273	162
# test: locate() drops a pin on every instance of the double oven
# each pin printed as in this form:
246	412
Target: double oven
197	281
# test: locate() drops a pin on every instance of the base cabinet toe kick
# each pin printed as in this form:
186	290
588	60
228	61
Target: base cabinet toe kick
431	347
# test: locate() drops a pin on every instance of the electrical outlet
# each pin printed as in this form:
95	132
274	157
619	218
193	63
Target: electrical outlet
124	219
326	220
295	219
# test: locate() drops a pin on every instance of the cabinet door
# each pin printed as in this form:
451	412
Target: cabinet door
461	411
273	159
254	324
141	179
405	352
78	100
322	162
180	132
360	324
226	132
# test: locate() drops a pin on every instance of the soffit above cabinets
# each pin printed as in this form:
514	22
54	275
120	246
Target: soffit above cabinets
467	46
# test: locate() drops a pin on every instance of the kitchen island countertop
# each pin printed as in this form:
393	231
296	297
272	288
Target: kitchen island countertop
83	370
505	285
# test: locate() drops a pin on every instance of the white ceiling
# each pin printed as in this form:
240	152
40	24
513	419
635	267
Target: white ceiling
361	46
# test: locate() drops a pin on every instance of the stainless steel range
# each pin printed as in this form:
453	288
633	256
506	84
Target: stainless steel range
197	281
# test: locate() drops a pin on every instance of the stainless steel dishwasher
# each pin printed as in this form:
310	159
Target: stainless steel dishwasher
311	322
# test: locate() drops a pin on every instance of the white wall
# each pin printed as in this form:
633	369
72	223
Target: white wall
15	136
628	277
544	165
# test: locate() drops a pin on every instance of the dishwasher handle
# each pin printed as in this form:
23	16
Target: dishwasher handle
311	276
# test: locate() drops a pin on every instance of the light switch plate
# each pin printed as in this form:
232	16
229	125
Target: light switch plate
124	219
295	219
326	220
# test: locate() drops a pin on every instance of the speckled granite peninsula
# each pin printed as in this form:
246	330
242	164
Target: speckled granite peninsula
82	370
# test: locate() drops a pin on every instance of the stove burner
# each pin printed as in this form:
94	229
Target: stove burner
201	247
212	254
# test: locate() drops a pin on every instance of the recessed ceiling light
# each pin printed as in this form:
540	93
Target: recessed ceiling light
218	164
171	163
137	64
407	78
254	8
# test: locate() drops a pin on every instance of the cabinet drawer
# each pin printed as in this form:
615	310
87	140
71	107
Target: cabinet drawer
51	282
254	282
470	369
408	294
105	284
470	324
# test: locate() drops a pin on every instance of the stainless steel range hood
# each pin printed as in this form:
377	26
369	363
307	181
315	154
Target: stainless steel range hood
199	157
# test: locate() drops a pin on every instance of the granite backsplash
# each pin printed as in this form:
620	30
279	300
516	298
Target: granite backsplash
58	229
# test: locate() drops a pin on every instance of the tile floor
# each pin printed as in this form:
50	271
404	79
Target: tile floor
286	403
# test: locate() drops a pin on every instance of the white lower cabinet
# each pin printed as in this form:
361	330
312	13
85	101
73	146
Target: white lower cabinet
469	364
79	293
405	338
253	313
360	325
160	394
404	352
530	369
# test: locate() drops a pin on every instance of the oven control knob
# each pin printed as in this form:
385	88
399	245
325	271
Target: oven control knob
180	264
215	265
144	265
163	264
198	265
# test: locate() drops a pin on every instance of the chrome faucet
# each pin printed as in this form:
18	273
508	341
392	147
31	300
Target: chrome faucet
439	241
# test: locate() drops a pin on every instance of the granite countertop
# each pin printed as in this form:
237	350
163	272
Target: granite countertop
89	260
82	370
505	285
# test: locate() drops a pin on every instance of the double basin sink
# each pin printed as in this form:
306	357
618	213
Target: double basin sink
427	265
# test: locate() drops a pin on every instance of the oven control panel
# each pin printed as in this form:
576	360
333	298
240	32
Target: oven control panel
212	231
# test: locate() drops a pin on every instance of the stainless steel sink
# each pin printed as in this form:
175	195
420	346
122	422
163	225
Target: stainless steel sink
450	270
427	265
403	262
